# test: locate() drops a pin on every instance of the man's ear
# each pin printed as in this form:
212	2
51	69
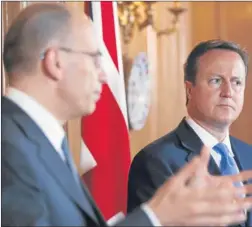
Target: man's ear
51	64
188	88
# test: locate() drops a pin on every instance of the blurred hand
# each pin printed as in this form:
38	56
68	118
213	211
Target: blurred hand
195	198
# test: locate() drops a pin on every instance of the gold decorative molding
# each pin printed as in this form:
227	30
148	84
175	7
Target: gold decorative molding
139	15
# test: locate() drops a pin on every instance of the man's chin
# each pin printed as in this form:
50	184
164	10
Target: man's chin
224	121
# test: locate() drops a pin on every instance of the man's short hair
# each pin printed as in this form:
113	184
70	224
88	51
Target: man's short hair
31	32
191	65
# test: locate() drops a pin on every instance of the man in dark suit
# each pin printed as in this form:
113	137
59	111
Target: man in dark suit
215	76
52	60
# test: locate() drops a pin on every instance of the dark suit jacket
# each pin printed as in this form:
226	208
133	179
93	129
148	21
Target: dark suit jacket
164	157
37	187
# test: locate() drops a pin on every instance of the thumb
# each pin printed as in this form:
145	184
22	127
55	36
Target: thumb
204	159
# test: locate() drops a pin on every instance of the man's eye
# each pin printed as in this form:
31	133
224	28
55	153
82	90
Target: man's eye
215	81
237	82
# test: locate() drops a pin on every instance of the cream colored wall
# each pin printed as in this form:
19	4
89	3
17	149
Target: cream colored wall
168	97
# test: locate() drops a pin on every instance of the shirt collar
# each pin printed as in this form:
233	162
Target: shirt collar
207	138
42	117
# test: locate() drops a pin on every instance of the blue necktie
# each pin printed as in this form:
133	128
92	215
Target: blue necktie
69	160
227	165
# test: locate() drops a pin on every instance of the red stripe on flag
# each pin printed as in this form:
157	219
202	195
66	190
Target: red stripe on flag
106	135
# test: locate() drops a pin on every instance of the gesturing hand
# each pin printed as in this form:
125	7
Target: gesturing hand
195	198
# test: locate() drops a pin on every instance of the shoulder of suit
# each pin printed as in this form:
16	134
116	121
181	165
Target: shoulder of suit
9	127
158	146
240	143
11	133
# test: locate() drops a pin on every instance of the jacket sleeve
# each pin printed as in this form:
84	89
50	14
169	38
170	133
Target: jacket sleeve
136	218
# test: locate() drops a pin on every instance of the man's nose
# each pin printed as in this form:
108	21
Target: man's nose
227	90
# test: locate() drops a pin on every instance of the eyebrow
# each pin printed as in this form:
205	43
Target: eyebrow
236	77
232	77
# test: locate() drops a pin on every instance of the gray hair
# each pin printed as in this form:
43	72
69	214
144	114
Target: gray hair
31	32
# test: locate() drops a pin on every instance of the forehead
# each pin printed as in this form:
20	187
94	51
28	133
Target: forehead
222	61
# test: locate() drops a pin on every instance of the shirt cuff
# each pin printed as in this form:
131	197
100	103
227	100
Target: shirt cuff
151	215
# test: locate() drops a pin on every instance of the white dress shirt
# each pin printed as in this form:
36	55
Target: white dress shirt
50	126
52	129
209	140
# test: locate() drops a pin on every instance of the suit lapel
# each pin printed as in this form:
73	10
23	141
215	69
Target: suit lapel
237	156
193	145
64	177
96	209
49	156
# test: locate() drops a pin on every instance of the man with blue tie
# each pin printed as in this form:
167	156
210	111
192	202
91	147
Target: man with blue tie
215	77
52	60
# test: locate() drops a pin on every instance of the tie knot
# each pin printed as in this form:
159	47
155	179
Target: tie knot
222	149
227	165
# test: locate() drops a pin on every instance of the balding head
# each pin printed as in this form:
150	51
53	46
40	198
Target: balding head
52	54
31	32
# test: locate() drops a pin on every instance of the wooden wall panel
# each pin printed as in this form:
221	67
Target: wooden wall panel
9	12
168	96
137	44
204	16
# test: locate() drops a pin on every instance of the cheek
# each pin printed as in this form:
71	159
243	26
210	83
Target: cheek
239	100
205	101
76	84
87	84
81	81
205	96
